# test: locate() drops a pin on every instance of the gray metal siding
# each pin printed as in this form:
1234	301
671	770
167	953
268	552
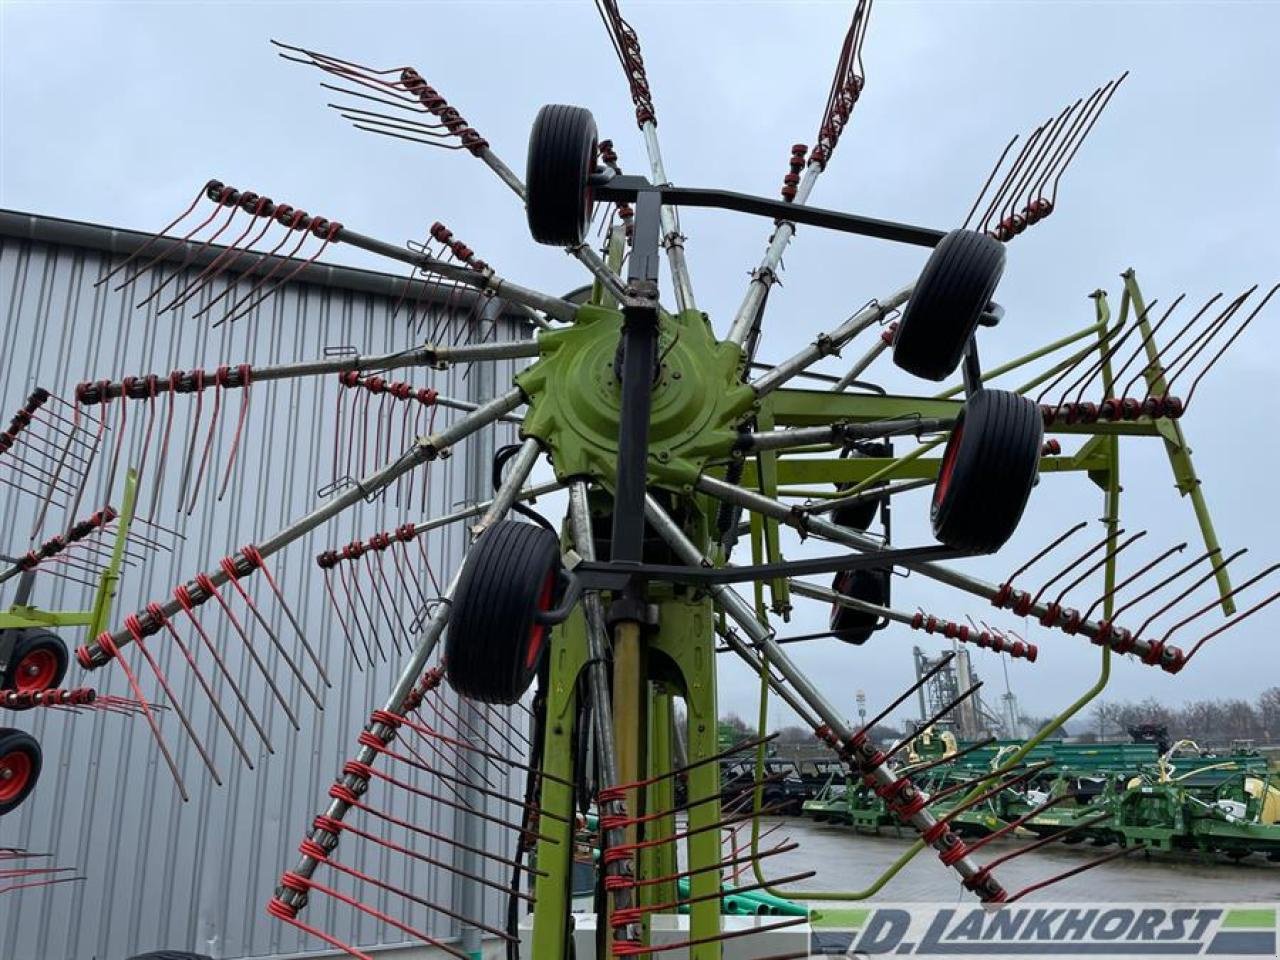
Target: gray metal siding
161	873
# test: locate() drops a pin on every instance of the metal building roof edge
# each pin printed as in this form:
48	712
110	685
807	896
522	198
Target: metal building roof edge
58	231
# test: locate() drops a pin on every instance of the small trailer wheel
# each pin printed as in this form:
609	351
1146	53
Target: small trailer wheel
870	586
562	157
20	762
496	638
38	662
949	299
988	468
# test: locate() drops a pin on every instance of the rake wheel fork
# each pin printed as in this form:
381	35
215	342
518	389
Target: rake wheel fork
395	704
424	449
815	525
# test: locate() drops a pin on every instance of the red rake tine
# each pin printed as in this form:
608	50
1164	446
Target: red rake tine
206	585
990	177
338	827
342	623
228	257
1096	566
156	612
208	442
1150	367
412	827
1228	625
1141	571
1148	340
189	457
436	703
1202	339
1161	584
385	750
254	556
1053	545
355	618
225	194
1106	541
427	732
135	628
1202	580
1055	158
997	198
229	568
934	719
303	885
1075	871
1032	169
1217	600
391	888
628	949
246	378
111	650
159	236
331	233
1226	346
1102	105
932	672
290	221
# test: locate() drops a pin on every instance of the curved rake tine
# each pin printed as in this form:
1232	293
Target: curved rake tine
1109	555
1088	614
916	769
1094	368
1149	367
162	235
1229	624
1026	774
929	675
1110	538
1223	349
1074	871
193	253
413	107
990	177
1057	542
889	754
1148	341
226	259
1077	121
1053	196
1234	620
1159	585
1205	336
1047	143
997	198
1204	579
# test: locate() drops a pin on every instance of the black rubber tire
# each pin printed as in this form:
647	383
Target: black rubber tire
859	516
952	293
871	586
493	646
22	758
38	662
171	955
989	466
562	157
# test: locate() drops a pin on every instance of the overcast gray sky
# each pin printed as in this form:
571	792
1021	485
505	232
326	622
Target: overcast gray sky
115	113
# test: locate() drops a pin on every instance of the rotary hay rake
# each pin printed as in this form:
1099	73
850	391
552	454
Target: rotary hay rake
671	444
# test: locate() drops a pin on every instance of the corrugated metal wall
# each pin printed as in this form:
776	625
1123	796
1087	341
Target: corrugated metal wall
159	872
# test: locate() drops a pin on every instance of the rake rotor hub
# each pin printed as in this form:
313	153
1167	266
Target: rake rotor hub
575	398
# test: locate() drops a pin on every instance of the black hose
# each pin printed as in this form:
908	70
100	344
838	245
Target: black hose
500	459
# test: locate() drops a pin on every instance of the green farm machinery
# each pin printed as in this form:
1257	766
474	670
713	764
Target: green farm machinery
689	466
